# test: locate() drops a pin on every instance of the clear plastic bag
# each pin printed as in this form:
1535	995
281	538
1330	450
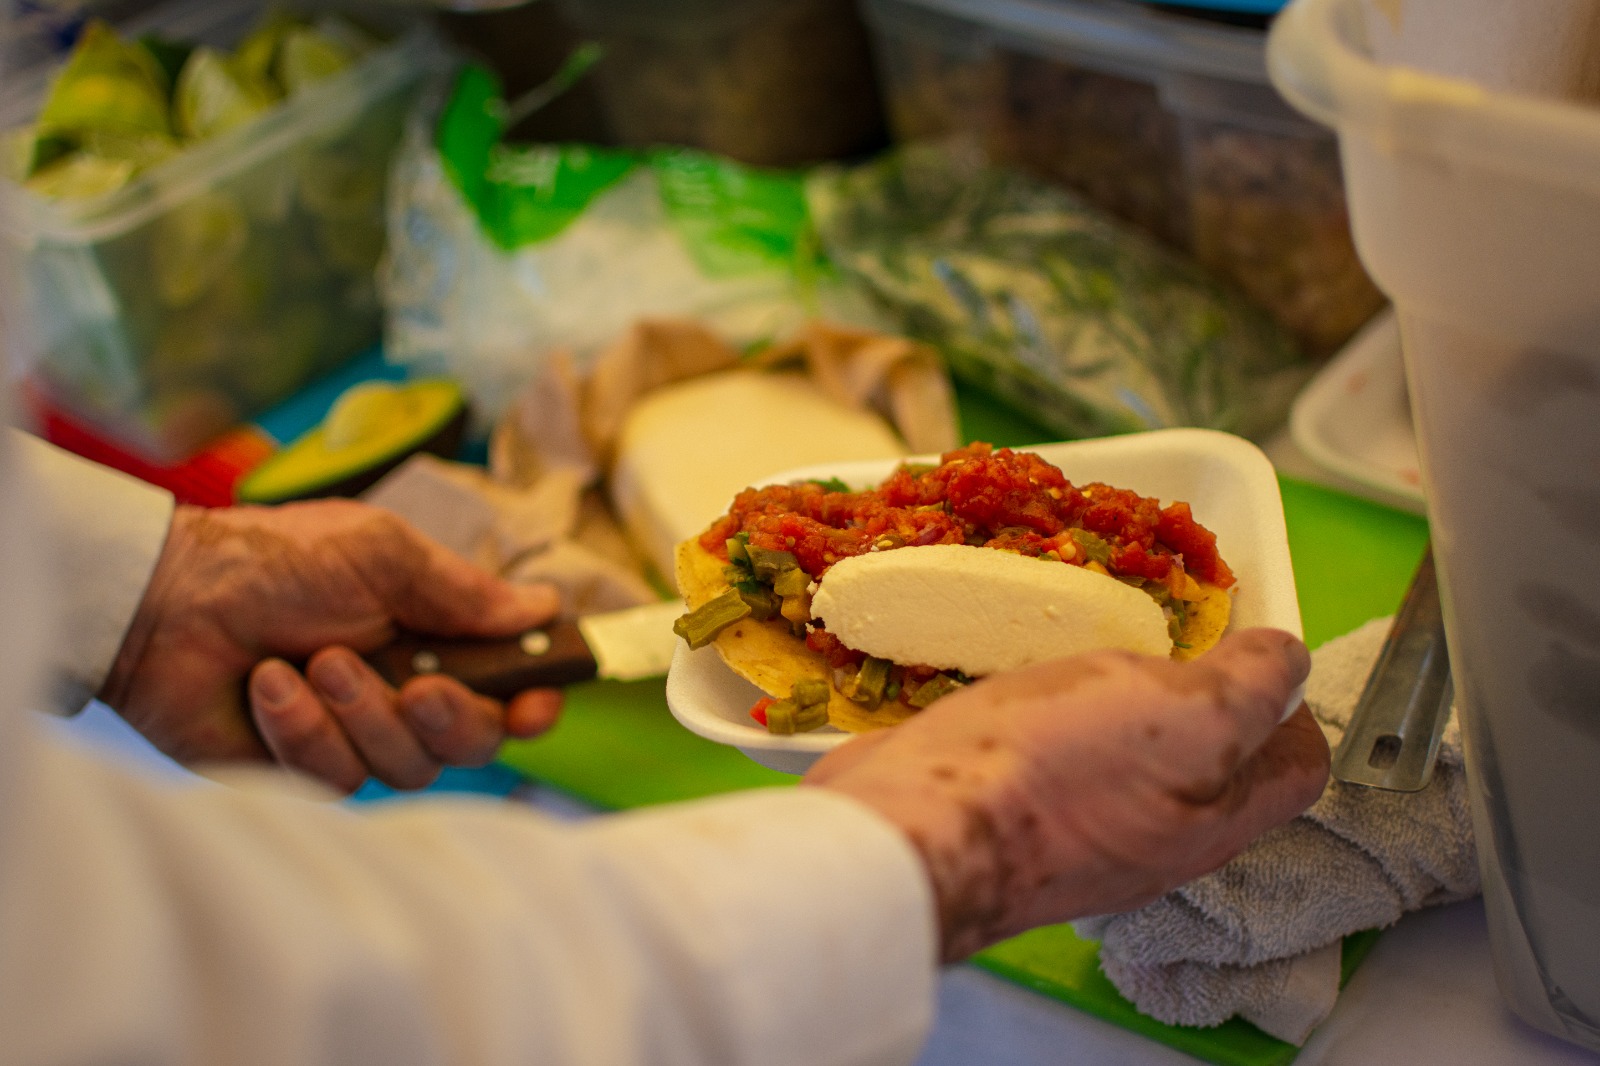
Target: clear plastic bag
1045	301
500	254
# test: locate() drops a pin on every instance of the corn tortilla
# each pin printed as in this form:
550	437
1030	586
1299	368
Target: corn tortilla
772	658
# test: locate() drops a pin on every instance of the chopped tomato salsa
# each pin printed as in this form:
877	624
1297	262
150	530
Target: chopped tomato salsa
983	496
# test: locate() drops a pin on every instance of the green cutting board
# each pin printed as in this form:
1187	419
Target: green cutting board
617	745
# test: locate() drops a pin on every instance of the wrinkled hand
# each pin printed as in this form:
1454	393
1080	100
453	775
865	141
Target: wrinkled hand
238	593
1090	785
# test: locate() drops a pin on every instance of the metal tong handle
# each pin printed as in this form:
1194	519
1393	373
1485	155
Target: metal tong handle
1394	731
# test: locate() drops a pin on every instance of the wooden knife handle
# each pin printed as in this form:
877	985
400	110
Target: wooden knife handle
552	657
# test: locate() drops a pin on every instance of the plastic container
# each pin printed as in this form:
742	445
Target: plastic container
220	281
1471	148
766	82
1166	120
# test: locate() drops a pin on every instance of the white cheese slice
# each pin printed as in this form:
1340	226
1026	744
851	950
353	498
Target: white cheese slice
687	449
981	610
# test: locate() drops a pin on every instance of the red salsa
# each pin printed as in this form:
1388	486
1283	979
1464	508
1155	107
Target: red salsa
983	496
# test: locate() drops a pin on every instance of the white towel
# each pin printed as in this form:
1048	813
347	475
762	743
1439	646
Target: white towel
1260	937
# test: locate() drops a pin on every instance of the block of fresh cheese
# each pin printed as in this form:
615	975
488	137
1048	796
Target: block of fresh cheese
687	449
981	611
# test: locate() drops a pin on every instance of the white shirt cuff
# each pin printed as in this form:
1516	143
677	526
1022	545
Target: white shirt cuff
105	531
791	897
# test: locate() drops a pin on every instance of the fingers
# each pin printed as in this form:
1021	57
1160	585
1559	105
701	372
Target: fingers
342	723
364	707
462	728
532	713
298	729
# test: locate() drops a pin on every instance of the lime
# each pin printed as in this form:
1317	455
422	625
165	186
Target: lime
81	176
106	84
143	150
212	98
256	57
307	57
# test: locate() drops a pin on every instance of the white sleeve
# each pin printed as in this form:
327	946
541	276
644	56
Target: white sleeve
221	924
106	530
247	925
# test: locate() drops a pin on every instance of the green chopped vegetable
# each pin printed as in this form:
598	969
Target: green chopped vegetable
870	683
797	609
809	691
700	626
768	564
1177	620
736	548
1092	545
764	603
936	687
804	710
831	484
793	582
785	717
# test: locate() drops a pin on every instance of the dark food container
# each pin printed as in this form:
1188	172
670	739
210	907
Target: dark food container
765	82
1164	119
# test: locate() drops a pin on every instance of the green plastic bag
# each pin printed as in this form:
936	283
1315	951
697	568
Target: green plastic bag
501	253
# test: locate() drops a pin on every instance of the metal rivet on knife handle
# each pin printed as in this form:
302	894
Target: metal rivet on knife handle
546	658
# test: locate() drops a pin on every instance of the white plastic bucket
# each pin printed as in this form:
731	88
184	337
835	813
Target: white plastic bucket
1470	137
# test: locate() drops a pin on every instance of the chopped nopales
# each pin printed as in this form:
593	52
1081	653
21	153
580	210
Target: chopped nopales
935	687
700	626
894	597
805	709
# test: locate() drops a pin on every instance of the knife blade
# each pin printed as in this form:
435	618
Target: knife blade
626	645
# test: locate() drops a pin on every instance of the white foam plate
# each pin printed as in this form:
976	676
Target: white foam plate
1353	419
1228	482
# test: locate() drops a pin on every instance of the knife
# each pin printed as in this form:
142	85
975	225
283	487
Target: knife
1393	736
626	645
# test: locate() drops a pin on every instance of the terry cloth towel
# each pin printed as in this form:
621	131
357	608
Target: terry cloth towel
1260	937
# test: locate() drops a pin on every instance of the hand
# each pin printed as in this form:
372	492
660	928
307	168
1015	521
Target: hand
1090	785
237	592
